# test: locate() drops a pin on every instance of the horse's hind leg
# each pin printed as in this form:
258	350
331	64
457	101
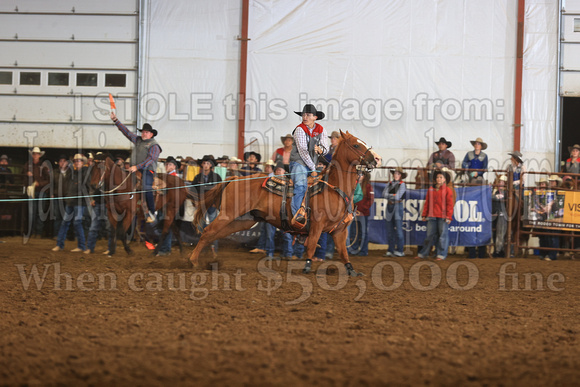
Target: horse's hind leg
217	229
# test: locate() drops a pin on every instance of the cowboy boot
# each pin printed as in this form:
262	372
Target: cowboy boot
299	219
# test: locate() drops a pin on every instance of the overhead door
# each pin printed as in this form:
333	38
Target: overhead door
570	49
59	62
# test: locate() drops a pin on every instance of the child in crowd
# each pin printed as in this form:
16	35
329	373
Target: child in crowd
438	212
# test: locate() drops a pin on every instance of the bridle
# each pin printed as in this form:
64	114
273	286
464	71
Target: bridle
366	167
101	165
102	178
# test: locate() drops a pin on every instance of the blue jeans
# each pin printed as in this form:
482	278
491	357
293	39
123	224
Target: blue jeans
165	245
148	188
437	234
549	241
99	222
75	214
329	247
211	214
262	239
37	214
299	175
395	236
269	232
320	252
58	207
286	245
298	250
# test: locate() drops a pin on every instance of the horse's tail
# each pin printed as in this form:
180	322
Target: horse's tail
213	197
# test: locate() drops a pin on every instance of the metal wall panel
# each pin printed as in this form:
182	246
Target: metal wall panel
67	37
80	6
571	5
570	84
570	49
85	55
63	27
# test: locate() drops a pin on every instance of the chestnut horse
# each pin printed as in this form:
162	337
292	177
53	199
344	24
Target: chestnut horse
122	201
243	202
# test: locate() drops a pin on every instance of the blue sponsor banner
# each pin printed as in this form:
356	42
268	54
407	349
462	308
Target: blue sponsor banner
471	224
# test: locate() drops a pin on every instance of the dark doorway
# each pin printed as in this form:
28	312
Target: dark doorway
570	125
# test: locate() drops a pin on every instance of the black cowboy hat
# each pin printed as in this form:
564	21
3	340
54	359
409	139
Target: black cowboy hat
171	159
309	108
248	154
148	128
445	172
223	159
280	164
442	139
518	155
209	158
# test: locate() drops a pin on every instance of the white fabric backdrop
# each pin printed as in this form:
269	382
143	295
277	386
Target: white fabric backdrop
350	52
431	68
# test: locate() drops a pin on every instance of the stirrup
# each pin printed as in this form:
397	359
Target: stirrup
299	219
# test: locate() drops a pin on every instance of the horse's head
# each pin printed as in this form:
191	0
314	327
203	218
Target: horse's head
357	152
97	174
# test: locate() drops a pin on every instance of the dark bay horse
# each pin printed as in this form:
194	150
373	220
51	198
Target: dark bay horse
122	201
242	202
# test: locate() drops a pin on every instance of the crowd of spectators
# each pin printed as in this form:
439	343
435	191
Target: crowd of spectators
64	186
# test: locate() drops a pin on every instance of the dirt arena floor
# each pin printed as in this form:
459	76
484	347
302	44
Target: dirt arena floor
75	319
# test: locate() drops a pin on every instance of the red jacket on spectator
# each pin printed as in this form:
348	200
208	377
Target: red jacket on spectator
364	206
439	203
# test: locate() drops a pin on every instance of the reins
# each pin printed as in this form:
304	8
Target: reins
119	186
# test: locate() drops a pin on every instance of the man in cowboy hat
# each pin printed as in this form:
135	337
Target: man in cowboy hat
443	157
252	159
38	175
476	159
203	182
172	166
573	163
145	155
77	197
283	154
394	192
310	142
517	167
233	167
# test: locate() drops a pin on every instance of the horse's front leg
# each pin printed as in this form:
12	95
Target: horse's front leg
339	238
312	241
126	225
113	233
